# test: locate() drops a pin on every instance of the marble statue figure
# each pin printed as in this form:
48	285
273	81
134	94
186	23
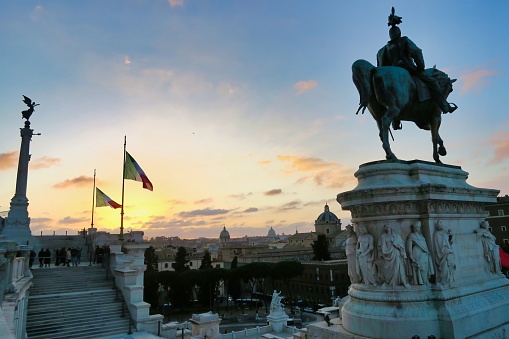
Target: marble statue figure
350	248
392	252
490	248
275	304
364	257
421	264
443	254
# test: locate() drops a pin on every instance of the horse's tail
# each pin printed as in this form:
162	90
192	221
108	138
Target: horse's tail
362	71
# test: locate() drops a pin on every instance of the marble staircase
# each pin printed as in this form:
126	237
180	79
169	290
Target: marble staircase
74	302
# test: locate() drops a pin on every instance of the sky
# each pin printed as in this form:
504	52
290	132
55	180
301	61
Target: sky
241	113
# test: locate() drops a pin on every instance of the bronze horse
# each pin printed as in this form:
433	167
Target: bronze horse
390	93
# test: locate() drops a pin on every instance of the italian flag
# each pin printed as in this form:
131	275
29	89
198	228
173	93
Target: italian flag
102	199
504	258
133	171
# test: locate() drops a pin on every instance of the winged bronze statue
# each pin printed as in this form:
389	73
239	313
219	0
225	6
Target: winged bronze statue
31	107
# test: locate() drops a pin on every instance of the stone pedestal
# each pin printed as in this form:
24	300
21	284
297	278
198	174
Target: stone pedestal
472	302
205	325
277	320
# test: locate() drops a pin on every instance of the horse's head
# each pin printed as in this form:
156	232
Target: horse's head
443	80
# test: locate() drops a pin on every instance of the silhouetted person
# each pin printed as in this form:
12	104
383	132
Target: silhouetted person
41	258
32	258
74	256
47	257
68	257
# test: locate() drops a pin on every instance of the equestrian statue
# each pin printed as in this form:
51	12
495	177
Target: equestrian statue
401	89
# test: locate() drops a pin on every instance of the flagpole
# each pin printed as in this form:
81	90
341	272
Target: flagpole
121	235
93	203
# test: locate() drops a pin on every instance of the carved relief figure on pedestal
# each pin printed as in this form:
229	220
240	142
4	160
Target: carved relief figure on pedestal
421	265
350	248
364	257
490	248
443	253
392	252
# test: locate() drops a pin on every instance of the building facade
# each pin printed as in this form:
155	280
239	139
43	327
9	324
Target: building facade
498	217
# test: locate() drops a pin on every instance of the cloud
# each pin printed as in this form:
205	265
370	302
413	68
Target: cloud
149	83
319	202
321	172
274	191
44	221
203	212
175	3
264	162
71	220
292	205
176	202
500	183
500	142
8	160
204	201
37	13
305	164
476	81
304	86
251	210
241	196
182	224
81	181
43	162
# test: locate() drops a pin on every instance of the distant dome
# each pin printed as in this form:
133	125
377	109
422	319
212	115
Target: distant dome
225	235
327	217
272	233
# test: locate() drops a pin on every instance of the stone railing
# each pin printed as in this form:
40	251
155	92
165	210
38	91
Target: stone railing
15	281
176	330
128	268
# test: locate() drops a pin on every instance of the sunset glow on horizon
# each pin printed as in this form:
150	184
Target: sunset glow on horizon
241	113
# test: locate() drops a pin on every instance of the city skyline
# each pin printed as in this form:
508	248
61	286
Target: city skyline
241	114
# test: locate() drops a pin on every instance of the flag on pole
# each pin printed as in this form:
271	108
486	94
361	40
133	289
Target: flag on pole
504	258
103	200
133	171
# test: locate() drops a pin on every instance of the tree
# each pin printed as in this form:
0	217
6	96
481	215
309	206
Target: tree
285	271
150	281
234	286
178	287
180	264
320	248
255	274
206	262
206	286
151	259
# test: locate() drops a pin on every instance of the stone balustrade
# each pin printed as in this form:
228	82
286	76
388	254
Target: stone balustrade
128	267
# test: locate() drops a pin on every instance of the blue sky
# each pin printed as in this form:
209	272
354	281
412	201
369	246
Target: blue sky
241	113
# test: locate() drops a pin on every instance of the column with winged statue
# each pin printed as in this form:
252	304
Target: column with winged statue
17	223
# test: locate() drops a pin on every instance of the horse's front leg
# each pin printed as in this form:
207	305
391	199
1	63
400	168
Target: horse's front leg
389	115
438	144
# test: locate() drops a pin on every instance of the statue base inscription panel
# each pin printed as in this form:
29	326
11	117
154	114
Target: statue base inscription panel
422	260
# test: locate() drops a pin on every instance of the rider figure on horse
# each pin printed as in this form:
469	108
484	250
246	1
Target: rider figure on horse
402	52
